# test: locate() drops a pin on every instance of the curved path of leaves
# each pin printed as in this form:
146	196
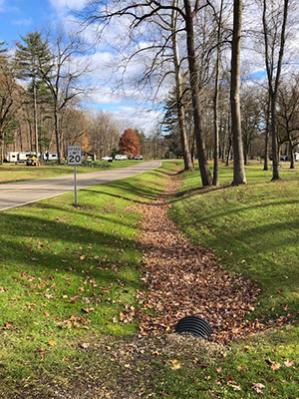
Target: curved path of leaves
183	279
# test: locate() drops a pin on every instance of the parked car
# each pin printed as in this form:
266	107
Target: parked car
120	157
107	158
138	158
284	158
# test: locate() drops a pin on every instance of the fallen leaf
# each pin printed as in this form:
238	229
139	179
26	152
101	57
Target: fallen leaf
87	310
289	363
84	345
275	366
52	342
258	387
8	326
175	364
235	387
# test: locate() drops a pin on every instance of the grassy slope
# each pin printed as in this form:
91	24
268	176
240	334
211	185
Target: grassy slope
51	254
11	172
56	261
254	230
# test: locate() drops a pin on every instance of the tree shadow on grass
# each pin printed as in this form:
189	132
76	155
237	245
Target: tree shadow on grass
153	194
80	211
202	217
60	250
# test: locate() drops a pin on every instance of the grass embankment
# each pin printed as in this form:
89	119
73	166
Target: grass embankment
65	274
254	231
64	284
12	172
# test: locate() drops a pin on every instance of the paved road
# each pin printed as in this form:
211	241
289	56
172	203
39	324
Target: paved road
13	195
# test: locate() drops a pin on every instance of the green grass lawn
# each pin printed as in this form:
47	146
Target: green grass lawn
68	276
12	172
67	273
254	231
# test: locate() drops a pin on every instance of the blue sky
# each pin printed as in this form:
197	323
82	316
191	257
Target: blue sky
18	17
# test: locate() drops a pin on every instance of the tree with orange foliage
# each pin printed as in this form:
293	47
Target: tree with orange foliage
85	142
129	143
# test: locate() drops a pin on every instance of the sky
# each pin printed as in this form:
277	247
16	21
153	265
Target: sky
131	106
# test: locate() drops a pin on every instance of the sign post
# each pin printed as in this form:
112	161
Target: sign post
74	158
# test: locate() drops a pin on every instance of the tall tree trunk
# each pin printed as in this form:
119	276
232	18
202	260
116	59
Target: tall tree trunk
292	156
30	136
188	165
274	78
1	148
229	148
35	118
195	93
266	152
57	133
246	157
216	100
239	169
275	150
21	139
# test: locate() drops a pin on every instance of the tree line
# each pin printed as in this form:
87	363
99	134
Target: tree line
214	109
191	50
41	86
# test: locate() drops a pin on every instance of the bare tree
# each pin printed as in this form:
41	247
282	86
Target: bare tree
275	21
218	16
104	132
9	95
288	115
239	169
179	88
139	12
63	79
189	14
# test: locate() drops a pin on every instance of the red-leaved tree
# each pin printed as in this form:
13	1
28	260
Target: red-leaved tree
129	143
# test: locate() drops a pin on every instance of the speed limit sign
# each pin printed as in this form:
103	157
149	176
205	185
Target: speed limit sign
74	155
74	158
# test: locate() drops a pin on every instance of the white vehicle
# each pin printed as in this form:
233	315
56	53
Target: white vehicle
50	156
109	159
120	157
23	156
12	157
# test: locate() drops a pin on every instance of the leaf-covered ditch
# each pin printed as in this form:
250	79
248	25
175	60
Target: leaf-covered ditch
85	321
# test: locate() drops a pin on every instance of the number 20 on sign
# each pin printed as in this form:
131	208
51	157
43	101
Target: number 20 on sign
74	158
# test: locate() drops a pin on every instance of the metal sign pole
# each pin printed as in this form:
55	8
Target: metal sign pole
75	188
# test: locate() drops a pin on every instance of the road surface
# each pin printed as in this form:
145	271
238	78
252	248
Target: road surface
13	195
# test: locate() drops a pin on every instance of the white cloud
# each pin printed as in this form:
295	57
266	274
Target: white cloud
114	80
69	4
4	7
22	22
139	118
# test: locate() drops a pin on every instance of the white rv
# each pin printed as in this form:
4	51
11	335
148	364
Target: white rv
23	156
12	157
50	156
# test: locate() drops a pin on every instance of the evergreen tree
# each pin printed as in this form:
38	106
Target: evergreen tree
31	55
